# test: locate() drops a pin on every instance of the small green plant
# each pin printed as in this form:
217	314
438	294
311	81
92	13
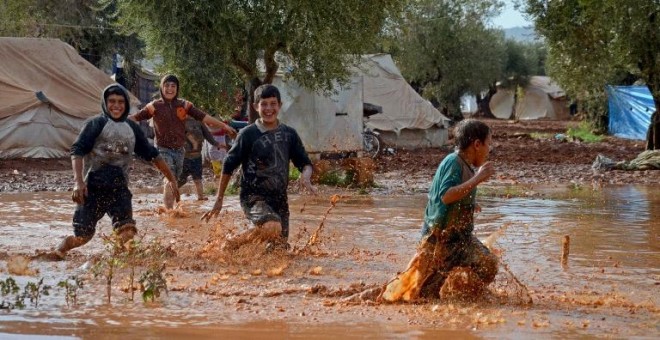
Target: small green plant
210	190
7	287
34	291
337	178
584	133
294	173
71	285
109	262
232	189
152	281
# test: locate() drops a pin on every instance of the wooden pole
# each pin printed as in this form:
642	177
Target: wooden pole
565	247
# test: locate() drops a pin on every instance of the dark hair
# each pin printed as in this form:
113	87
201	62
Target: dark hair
266	91
170	78
469	130
114	89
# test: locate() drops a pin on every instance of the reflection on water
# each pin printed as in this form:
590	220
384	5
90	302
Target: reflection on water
614	248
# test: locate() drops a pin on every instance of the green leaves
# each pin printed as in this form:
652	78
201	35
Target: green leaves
594	43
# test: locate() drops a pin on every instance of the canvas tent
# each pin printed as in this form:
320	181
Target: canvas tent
408	120
325	123
542	99
46	92
630	110
334	123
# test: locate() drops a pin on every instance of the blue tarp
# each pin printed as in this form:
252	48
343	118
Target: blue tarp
630	110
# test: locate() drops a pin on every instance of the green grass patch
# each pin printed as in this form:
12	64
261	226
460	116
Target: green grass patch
294	173
584	132
337	178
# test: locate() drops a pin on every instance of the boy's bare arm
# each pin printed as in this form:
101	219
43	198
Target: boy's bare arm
224	182
458	192
80	188
172	182
306	179
213	122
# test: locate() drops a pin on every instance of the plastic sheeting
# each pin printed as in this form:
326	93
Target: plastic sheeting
630	110
46	92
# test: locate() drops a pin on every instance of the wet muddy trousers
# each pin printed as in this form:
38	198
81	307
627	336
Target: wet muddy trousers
443	269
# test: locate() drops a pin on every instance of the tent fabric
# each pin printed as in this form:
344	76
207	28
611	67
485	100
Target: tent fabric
334	123
542	99
325	123
46	92
403	107
630	110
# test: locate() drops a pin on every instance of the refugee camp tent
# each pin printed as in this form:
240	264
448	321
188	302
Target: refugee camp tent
408	120
542	98
46	92
630	110
334	122
325	122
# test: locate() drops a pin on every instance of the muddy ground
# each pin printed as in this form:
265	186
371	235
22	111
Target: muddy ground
524	152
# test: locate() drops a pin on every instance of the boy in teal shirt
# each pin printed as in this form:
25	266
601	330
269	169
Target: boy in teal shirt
449	255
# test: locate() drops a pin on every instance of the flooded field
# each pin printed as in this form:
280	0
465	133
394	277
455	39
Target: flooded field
609	286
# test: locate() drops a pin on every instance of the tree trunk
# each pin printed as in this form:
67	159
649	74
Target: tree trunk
653	134
483	103
252	85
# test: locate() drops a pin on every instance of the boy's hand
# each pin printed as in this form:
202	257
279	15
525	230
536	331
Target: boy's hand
230	131
213	212
485	171
79	192
306	180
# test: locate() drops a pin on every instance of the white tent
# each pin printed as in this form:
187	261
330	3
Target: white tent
46	92
408	120
334	123
325	123
542	98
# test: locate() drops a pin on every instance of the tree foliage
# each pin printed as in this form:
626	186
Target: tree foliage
212	44
447	49
594	43
82	24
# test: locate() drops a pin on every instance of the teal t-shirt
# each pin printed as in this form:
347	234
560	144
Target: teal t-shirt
451	172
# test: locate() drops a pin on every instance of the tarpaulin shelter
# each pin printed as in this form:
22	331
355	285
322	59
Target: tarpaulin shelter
630	109
47	91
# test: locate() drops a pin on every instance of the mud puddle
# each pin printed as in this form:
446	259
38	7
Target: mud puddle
608	287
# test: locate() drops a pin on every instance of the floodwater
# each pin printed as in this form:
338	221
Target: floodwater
608	288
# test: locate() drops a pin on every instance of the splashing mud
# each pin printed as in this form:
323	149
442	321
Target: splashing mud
363	241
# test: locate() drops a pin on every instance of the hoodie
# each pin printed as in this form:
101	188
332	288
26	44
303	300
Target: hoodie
107	145
169	117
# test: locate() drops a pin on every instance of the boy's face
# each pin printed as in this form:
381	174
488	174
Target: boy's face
268	109
482	150
116	105
169	90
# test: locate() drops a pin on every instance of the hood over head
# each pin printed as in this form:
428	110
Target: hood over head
169	78
116	89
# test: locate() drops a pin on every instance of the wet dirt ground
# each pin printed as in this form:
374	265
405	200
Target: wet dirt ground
609	287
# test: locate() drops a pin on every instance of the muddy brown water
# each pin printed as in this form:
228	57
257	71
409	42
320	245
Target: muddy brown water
609	287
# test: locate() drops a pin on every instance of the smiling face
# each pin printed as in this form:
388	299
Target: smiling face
116	105
169	90
268	109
